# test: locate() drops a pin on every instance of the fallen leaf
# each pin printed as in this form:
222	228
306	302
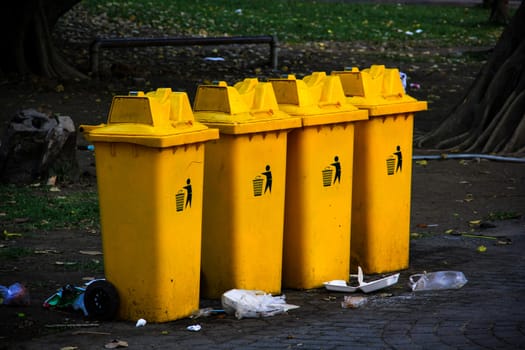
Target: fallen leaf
9	235
66	263
482	249
47	251
90	252
52	181
474	223
116	344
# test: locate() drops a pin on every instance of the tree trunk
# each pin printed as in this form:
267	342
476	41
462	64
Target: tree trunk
28	48
491	117
499	12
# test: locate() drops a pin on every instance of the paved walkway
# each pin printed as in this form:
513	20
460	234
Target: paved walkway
487	313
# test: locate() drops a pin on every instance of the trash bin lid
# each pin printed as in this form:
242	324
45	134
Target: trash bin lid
378	90
247	107
318	99
160	118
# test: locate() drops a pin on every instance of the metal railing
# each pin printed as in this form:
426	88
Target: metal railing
101	43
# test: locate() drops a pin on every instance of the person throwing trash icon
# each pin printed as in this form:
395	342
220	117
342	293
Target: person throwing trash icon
337	165
268	175
188	193
399	156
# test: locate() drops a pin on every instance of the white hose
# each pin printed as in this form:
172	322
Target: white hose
469	156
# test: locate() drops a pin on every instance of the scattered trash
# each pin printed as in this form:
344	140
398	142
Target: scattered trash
367	287
437	280
254	303
141	323
86	147
403	77
353	302
426	225
115	343
14	295
415	86
205	312
67	296
99	299
214	59
238	11
194	328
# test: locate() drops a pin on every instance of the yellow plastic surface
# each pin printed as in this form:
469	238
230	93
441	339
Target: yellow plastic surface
378	90
151	208
248	107
243	213
381	196
160	118
382	168
318	180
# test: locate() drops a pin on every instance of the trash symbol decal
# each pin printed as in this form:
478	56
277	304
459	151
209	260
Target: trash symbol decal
329	171
394	162
185	193
259	181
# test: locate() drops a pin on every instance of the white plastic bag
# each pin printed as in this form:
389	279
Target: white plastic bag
254	303
437	280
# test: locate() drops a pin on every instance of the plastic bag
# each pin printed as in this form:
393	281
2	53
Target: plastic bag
254	303
67	296
15	294
437	280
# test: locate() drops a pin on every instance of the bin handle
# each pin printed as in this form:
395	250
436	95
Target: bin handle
265	111
327	104
89	128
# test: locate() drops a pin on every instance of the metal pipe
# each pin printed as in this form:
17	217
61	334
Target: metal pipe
100	43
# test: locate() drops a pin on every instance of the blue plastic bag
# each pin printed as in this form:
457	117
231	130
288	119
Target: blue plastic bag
16	294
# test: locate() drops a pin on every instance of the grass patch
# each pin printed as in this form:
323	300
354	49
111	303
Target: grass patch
303	21
13	253
25	208
503	215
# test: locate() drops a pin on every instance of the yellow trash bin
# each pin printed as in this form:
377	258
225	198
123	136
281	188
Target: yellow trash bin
382	168
318	180
244	181
149	163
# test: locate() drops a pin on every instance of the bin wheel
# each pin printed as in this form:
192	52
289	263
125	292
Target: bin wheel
101	300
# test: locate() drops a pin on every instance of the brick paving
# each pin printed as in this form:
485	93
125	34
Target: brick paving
487	313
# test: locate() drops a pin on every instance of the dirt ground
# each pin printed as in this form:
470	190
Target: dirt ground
446	195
